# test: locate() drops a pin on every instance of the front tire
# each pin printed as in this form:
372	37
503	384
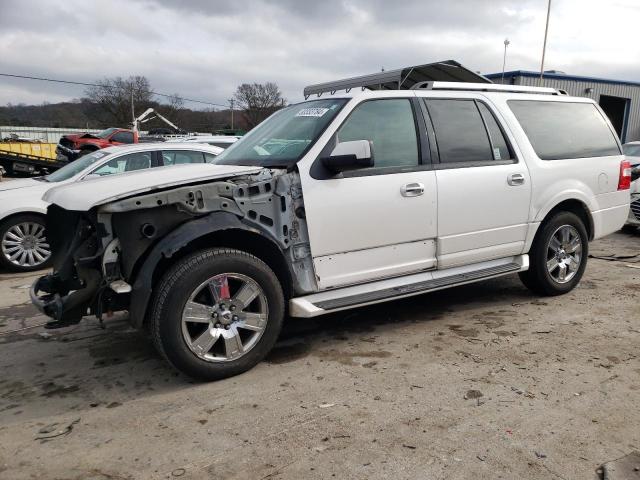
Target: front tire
558	255
23	245
217	313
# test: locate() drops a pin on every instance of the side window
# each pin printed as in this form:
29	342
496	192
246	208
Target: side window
389	126
565	130
122	137
125	163
500	148
209	157
179	157
460	132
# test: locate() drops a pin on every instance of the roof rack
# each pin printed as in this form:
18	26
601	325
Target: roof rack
485	87
400	79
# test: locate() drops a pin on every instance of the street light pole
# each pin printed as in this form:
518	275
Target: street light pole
231	103
504	58
544	45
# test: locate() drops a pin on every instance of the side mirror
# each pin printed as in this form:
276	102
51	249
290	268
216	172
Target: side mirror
349	156
635	173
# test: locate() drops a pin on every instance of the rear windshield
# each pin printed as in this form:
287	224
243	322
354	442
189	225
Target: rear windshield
564	130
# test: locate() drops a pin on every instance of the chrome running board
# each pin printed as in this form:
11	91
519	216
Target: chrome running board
391	289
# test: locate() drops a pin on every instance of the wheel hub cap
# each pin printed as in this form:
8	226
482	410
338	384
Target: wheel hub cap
564	254
25	245
224	317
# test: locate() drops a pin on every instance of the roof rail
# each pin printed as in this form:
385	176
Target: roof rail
486	87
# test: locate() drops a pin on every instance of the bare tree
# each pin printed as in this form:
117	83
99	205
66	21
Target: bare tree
114	96
258	100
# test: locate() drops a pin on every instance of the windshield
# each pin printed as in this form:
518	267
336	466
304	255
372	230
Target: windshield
631	150
75	167
282	139
105	133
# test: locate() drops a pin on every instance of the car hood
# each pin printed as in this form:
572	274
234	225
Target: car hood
86	194
7	185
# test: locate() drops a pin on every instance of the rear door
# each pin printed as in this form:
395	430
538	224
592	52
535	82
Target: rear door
484	191
375	222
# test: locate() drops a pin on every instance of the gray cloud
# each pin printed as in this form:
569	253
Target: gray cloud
204	48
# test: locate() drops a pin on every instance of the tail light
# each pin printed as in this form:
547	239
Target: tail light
624	181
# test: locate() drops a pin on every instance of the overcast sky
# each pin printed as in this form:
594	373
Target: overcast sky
203	49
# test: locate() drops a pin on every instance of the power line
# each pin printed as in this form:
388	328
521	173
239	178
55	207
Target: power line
69	82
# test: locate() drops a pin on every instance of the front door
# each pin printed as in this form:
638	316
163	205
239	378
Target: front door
375	222
484	192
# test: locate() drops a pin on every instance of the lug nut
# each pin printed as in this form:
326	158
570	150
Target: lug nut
233	307
215	315
222	306
226	327
235	318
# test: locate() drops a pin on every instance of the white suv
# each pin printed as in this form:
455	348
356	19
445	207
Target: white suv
336	203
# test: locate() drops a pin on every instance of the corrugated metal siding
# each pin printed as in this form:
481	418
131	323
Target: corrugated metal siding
578	89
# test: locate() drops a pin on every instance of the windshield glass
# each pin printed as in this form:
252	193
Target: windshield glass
631	150
282	139
75	167
105	133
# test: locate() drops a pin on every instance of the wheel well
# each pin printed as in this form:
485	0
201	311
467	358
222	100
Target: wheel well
579	209
253	243
17	214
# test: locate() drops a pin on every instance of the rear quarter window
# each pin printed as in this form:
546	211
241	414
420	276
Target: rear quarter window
565	130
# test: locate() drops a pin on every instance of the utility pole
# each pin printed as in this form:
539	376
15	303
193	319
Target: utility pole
504	58
133	112
544	45
231	103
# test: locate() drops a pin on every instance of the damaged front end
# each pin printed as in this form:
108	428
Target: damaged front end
66	294
106	259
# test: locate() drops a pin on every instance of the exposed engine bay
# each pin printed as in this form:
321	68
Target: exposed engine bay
113	259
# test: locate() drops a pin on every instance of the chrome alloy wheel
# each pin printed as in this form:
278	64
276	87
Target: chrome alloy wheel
224	317
25	245
564	254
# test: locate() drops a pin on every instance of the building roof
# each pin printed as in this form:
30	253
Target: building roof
560	76
402	78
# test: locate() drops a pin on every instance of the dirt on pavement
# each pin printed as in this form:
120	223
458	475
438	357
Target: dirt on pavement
481	381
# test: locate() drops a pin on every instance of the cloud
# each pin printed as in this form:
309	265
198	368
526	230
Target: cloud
203	49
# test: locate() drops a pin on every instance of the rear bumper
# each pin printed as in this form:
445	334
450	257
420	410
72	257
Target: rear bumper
609	220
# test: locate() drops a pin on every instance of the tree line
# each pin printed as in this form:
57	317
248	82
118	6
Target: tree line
110	102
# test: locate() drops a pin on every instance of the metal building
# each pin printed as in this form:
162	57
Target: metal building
619	99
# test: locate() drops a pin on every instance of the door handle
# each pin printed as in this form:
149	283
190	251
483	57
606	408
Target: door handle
515	179
412	190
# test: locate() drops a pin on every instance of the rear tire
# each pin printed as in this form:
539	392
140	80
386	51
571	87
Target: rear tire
558	255
23	244
217	313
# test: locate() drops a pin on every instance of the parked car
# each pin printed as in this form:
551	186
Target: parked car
222	141
71	147
335	203
632	152
23	243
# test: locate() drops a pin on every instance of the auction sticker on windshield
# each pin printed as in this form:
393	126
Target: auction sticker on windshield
312	112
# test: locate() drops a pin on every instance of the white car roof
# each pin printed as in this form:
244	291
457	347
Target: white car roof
153	146
205	138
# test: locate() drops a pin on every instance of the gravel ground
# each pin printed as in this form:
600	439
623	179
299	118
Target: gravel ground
480	381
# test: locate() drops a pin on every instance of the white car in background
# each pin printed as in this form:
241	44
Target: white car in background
222	141
23	244
632	152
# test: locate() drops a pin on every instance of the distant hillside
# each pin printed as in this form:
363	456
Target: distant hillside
85	114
